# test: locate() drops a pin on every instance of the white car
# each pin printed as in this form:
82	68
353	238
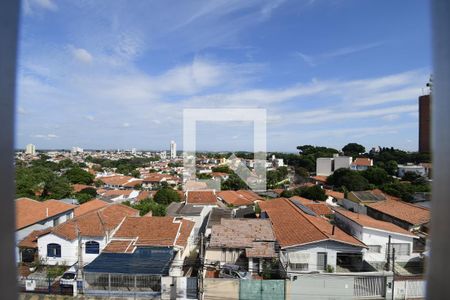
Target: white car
69	277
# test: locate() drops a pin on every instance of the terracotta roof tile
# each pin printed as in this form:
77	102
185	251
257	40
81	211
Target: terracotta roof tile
410	213
363	161
293	227
238	198
201	197
29	211
30	241
366	221
95	223
155	231
79	187
89	206
334	194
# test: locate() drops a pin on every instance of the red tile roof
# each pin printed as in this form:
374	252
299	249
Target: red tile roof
368	222
30	241
29	211
96	223
155	231
89	206
320	178
239	198
79	187
115	179
363	161
410	213
201	197
334	194
293	227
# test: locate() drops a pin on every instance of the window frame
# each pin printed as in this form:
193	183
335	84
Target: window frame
89	245
56	249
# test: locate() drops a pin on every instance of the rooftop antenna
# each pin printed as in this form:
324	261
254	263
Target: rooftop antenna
430	84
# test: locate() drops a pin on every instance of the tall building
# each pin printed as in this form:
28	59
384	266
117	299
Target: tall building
425	123
30	149
173	149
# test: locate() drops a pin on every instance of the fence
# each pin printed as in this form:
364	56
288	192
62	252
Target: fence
122	285
409	289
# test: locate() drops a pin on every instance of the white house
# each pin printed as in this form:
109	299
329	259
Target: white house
308	241
416	169
33	216
88	233
375	234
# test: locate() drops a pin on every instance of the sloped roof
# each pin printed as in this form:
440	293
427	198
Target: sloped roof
410	213
254	235
30	241
115	179
89	206
368	222
29	211
239	198
294	227
95	223
201	197
155	231
149	260
362	161
334	194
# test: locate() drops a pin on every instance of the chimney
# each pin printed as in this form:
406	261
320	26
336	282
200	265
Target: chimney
332	231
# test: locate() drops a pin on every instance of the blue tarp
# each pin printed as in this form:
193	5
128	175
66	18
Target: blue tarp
145	260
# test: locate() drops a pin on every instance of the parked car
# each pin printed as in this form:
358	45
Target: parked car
234	271
69	277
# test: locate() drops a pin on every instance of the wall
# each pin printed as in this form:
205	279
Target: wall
69	249
324	166
220	288
329	247
353	206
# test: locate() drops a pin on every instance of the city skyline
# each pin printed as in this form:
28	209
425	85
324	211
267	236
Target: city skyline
121	77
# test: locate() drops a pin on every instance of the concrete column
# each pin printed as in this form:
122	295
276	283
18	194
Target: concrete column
250	264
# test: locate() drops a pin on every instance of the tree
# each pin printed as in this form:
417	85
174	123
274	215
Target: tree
353	149
234	182
312	193
135	173
351	180
85	195
78	175
301	174
377	176
166	196
222	169
39	182
410	176
147	205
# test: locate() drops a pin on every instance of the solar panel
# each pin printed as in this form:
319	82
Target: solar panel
304	209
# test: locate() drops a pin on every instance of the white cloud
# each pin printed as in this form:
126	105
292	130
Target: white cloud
30	6
314	60
125	125
391	117
89	118
45	136
81	55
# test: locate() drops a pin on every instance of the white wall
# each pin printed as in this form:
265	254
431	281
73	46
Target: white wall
342	162
69	249
372	237
353	206
329	247
324	166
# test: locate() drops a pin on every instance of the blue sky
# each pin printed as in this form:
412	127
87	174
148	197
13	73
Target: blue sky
118	74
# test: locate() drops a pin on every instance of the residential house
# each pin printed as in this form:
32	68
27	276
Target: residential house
406	215
162	232
120	182
215	217
89	206
34	216
203	198
320	208
246	242
361	164
378	235
82	237
240	198
195	213
156	180
334	197
357	201
309	242
123	195
411	168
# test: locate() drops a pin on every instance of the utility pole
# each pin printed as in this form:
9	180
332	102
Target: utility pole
388	254
393	271
80	273
200	270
